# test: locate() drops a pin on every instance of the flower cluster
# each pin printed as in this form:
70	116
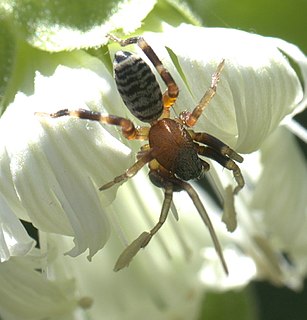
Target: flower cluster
51	170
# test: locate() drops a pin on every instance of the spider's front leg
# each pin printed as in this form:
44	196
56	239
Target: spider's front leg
129	131
226	162
217	150
190	118
215	143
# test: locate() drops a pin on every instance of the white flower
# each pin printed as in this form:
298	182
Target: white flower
26	293
52	170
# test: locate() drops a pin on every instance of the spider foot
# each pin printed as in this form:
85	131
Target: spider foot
121	178
227	151
42	114
239	179
231	165
216	75
133	248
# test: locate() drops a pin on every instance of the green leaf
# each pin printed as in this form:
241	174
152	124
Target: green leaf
239	305
173	12
7	58
288	22
65	25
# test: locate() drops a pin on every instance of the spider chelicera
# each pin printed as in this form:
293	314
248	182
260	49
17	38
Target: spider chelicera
173	150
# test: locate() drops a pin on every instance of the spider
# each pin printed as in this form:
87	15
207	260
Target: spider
174	151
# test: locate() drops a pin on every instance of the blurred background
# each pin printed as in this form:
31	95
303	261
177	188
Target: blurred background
284	19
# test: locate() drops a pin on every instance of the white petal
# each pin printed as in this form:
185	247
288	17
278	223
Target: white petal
258	86
14	239
150	288
280	192
301	60
26	294
57	165
242	270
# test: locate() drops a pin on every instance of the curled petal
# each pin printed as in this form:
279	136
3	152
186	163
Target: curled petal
22	288
255	93
14	240
284	170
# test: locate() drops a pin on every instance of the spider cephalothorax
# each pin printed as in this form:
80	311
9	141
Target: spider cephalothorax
174	151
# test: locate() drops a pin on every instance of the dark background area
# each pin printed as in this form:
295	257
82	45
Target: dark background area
280	303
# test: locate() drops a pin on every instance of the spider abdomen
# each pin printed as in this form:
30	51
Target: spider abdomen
138	86
174	149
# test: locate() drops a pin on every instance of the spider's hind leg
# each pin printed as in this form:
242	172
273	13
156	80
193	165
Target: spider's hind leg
171	94
205	217
170	183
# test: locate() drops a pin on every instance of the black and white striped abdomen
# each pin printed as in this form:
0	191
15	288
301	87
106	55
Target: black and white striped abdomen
138	86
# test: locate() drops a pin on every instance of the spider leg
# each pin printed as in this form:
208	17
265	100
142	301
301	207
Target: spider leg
190	118
130	172
142	241
168	197
171	94
128	129
225	162
216	144
163	178
205	217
